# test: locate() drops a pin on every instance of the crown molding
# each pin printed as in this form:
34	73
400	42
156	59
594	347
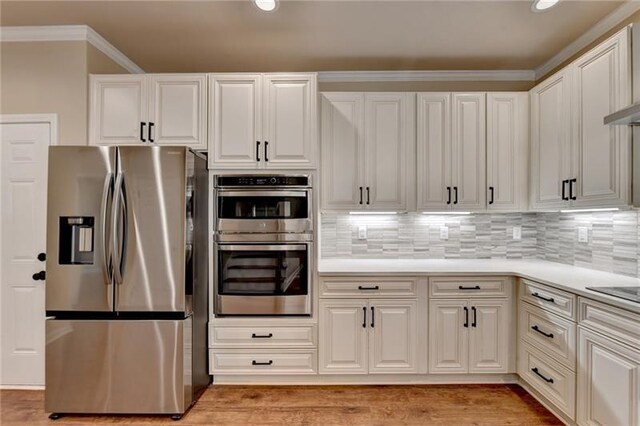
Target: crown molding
69	33
453	75
598	30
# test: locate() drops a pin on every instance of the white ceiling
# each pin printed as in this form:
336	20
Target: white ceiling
198	36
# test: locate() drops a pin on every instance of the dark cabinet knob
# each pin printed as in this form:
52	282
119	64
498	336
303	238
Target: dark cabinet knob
42	257
39	276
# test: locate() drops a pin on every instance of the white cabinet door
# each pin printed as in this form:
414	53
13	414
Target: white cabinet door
550	136
235	120
434	151
178	110
489	336
468	157
393	336
601	154
289	117
608	381
507	150
119	105
448	336
342	151
386	146
343	337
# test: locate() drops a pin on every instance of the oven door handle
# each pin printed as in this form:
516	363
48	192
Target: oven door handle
262	247
254	193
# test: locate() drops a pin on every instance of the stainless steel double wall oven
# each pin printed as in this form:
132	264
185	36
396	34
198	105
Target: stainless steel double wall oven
263	245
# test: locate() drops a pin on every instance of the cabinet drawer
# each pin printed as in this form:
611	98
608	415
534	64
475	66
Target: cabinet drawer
261	337
262	362
613	322
368	287
464	287
552	299
553	335
553	380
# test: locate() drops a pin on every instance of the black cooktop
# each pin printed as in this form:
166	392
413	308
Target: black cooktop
628	293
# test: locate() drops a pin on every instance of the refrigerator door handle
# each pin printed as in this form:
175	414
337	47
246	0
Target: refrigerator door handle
119	203
107	197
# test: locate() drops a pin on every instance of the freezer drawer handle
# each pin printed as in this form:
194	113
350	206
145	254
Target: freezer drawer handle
535	370
254	362
261	336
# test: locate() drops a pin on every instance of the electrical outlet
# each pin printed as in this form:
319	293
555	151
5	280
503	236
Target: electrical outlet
362	232
583	234
444	233
517	232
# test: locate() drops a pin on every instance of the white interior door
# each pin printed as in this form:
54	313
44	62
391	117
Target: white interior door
23	157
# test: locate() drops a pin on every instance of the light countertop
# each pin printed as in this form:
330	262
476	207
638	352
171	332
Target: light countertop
565	277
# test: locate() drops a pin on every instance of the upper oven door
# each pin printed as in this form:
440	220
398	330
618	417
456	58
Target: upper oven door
263	211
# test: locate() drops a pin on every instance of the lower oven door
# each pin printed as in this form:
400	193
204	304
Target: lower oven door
263	279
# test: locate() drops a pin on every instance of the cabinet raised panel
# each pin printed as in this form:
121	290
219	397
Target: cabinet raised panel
343	338
394	346
118	108
449	339
489	337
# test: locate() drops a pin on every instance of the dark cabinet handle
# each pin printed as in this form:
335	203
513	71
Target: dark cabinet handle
448	195
364	317
39	276
475	316
571	182
491	193
461	287
142	132
150	129
368	196
266	151
257	150
535	370
549	299
455	193
360	195
373	318
549	335
564	192
42	257
466	317
254	362
375	287
261	336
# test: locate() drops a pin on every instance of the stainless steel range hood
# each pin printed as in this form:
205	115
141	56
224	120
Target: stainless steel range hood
630	116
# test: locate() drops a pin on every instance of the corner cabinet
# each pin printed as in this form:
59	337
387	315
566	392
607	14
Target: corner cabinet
151	109
262	121
577	161
367	151
451	148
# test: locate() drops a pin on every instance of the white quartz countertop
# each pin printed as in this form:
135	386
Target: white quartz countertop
570	278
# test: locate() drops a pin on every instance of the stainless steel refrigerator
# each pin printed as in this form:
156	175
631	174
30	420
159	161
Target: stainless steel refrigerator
126	280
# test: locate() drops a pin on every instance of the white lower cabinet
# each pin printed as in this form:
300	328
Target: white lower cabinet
363	336
469	336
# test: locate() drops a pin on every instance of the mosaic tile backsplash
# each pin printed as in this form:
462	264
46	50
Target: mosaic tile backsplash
613	238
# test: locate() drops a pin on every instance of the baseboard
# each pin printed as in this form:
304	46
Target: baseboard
375	379
21	387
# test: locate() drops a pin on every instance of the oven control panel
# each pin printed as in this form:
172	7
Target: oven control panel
263	180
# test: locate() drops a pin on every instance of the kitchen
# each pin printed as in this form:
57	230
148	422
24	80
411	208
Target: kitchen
390	232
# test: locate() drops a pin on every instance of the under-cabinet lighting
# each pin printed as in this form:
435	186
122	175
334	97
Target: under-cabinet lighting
541	5
608	209
444	213
266	5
371	213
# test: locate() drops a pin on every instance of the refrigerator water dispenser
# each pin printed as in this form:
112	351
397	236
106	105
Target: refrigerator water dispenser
76	240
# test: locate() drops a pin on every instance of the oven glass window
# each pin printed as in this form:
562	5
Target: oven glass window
263	273
255	207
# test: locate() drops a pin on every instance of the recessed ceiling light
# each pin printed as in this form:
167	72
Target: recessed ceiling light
266	5
541	5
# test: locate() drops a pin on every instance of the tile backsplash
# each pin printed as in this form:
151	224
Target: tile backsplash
612	238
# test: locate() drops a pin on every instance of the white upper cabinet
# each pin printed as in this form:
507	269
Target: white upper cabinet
507	151
262	121
451	148
162	109
367	150
577	160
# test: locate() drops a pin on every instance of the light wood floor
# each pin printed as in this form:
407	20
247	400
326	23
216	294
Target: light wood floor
451	405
